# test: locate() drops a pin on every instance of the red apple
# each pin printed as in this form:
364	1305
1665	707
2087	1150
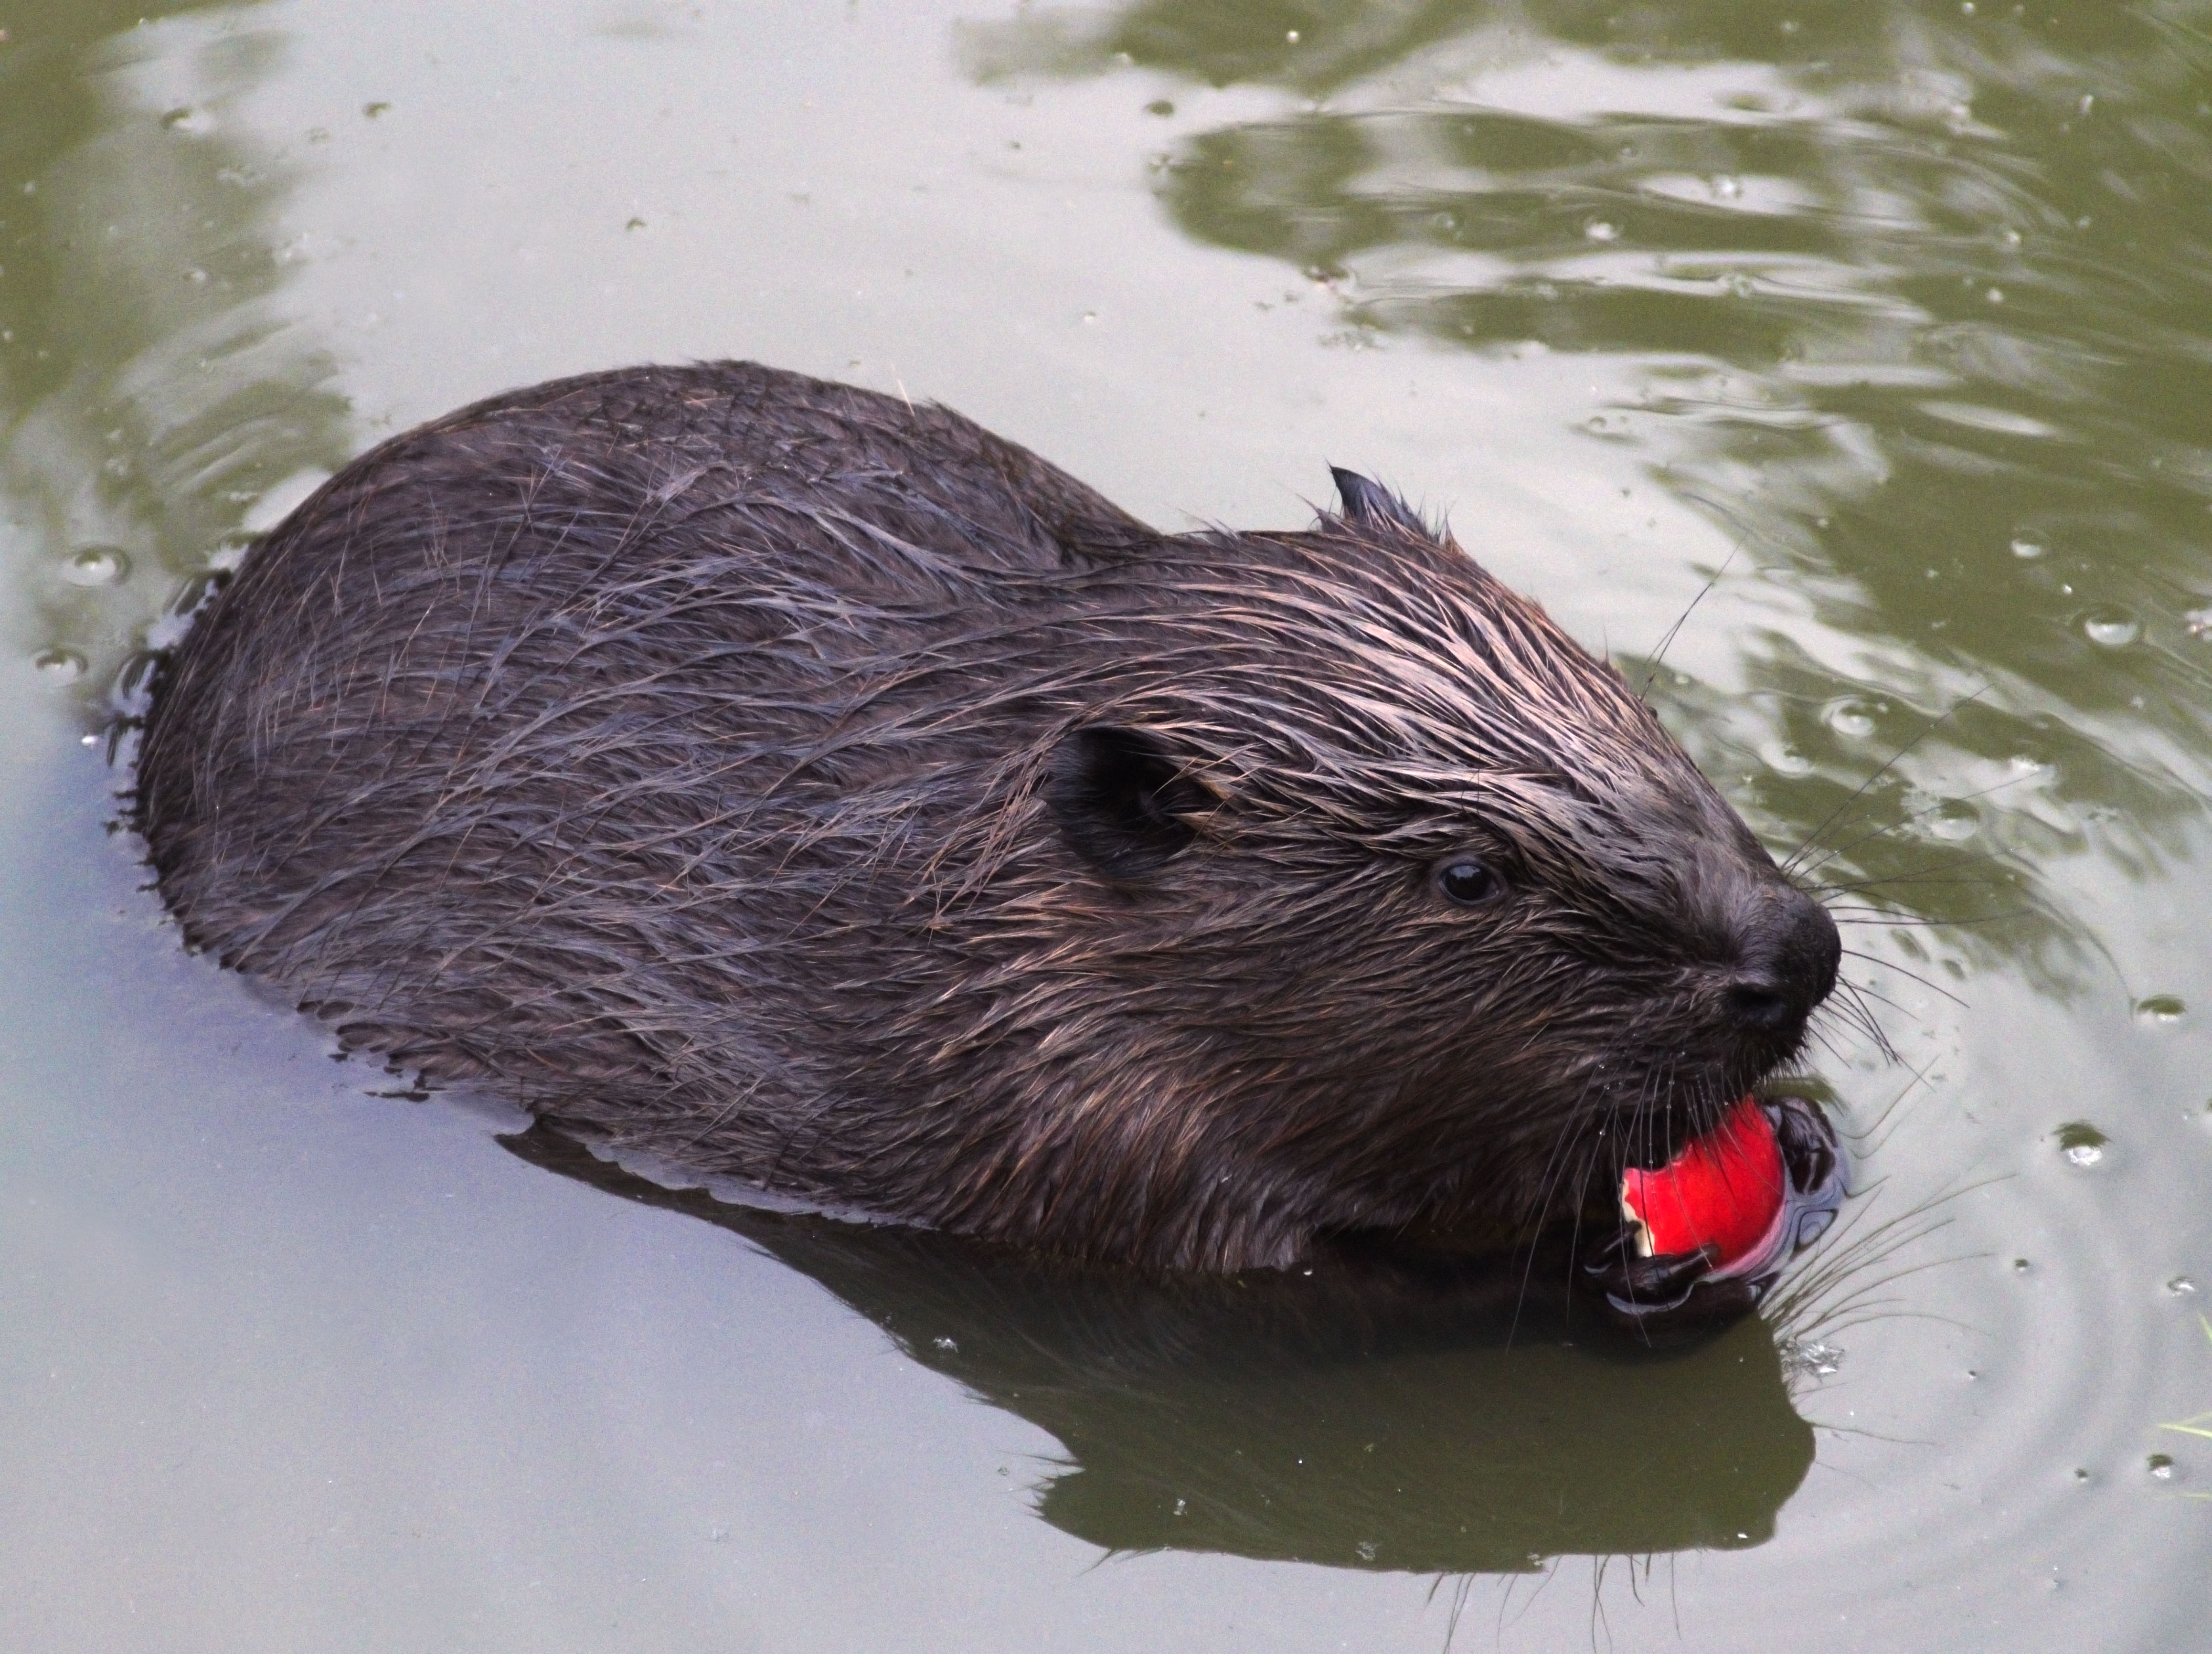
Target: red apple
1724	1188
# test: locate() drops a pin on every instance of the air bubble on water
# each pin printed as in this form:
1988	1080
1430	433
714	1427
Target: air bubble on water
2019	1266
191	121
2160	1008
1852	717
97	565
1726	187
1952	821
2111	628
2009	236
2199	622
1181	1505
1601	229
1995	295
2081	1143
2181	1287
2161	1465
2029	543
1368	1549
951	1347
1785	760
59	666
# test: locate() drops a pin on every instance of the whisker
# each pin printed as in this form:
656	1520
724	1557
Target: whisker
1859	791
1885	965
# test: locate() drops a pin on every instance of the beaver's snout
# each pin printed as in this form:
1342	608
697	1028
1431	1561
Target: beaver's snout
1785	966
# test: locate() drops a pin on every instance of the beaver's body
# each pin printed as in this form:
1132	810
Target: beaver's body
822	791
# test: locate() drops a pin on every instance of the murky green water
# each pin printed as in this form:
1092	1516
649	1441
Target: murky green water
1892	322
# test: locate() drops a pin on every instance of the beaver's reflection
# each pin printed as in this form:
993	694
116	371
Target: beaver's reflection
1377	1412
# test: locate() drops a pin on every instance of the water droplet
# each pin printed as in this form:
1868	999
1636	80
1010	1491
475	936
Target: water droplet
2199	622
717	1534
2111	628
2181	1287
1159	106
1599	229
197	277
950	1345
97	565
1728	188
2029	544
1291	35
1368	1549
2081	1143
2080	1474
1785	760
2010	237
1810	1360
1851	716
1995	295
2019	1266
2160	1008
1952	821
188	120
1091	315
2161	1465
1181	1505
59	666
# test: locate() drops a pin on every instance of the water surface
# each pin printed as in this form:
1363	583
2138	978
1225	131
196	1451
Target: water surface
1871	344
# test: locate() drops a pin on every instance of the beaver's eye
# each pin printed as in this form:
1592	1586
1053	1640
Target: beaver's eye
1468	881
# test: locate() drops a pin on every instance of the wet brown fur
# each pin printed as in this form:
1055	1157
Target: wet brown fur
740	767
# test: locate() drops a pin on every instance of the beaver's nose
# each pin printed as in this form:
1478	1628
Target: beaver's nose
1785	963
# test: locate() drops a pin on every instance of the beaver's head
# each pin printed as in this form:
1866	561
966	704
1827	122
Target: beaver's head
1350	892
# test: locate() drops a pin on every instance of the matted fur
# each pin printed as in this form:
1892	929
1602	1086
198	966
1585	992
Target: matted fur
670	750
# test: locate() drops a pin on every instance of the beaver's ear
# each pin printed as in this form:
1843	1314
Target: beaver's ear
1121	798
1370	504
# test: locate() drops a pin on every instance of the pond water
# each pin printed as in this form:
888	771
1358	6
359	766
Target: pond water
1885	326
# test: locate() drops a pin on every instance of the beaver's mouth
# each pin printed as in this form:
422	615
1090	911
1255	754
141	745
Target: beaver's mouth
1702	1237
1651	1125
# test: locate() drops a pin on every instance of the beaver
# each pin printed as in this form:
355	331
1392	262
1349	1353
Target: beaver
795	783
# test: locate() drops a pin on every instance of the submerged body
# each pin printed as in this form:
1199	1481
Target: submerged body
823	791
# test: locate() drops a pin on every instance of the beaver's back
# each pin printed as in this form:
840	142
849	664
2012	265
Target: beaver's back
471	754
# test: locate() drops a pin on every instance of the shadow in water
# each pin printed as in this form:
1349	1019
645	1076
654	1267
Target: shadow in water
1379	1412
